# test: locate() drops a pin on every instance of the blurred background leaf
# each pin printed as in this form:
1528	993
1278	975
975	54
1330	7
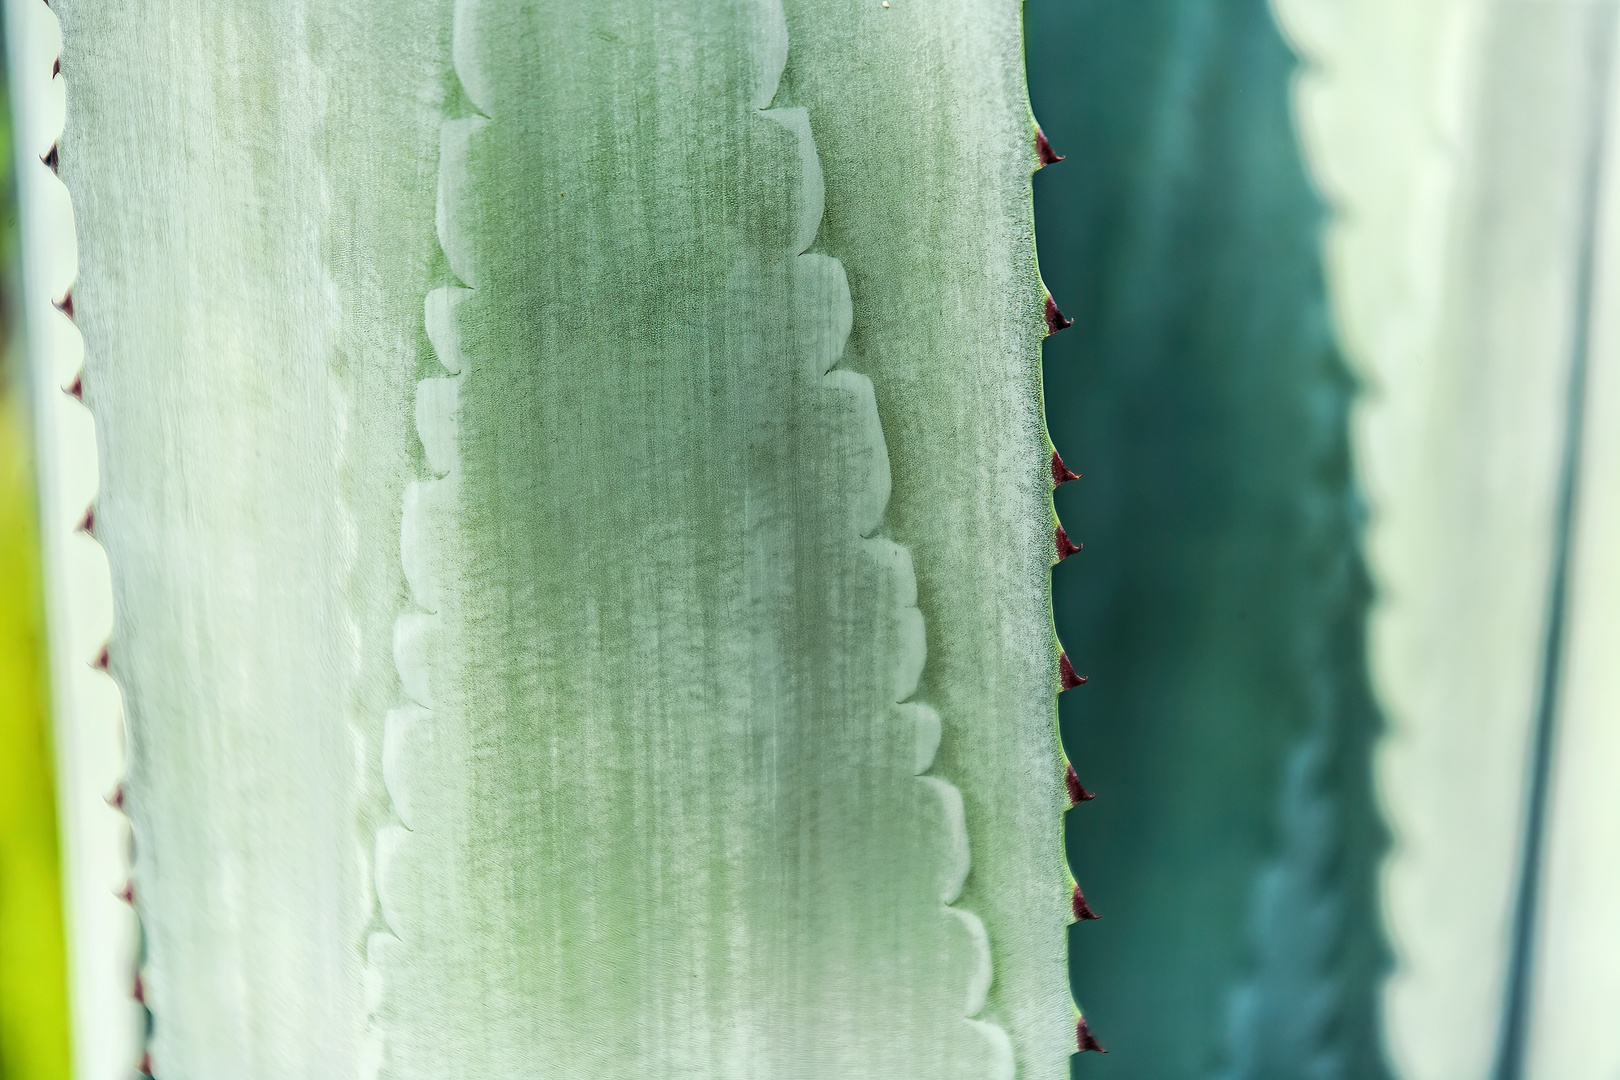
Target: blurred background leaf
33	991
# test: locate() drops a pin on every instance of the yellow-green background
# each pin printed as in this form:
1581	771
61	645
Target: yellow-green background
33	991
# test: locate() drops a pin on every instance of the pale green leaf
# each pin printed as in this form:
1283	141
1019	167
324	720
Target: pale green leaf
1459	141
498	522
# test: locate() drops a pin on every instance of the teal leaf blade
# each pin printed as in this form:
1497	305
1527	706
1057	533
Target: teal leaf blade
1221	600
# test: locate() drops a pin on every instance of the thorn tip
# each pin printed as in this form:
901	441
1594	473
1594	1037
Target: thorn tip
1054	318
1060	472
1077	791
1044	151
1066	673
1065	546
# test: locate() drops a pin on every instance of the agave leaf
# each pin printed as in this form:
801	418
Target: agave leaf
926	144
667	795
1459	142
86	724
1220	597
254	221
1564	993
1573	988
494	518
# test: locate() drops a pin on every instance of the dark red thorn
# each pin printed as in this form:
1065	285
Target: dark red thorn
1065	546
102	660
1054	318
52	159
1044	151
65	305
1060	472
1066	673
1077	791
1082	910
127	893
145	1067
140	990
77	388
56	68
87	524
1086	1041
116	798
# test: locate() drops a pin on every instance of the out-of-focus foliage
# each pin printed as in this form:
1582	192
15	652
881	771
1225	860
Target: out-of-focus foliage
33	996
1219	603
33	992
1468	149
